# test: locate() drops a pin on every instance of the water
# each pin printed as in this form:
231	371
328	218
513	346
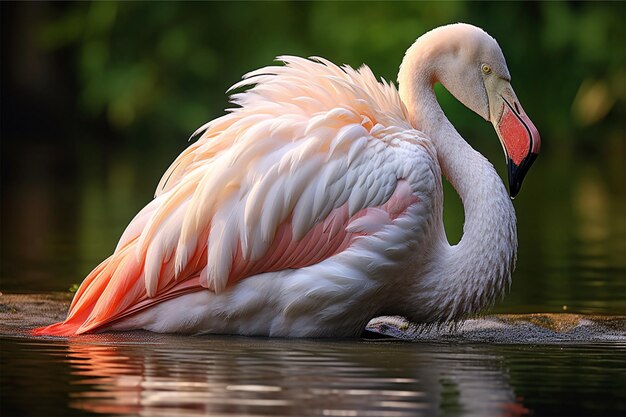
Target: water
497	365
164	375
60	219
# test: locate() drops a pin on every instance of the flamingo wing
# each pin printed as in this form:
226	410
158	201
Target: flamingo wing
312	160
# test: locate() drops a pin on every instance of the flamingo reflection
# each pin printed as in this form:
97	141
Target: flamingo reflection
158	375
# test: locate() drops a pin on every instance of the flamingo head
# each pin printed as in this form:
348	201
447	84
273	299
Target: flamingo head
495	100
470	64
518	135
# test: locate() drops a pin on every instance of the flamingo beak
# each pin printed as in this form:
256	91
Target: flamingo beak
519	137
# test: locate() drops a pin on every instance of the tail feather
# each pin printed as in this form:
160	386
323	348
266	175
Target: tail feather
64	329
95	283
97	271
125	287
116	289
112	287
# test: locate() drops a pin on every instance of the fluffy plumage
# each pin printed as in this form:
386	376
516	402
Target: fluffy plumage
305	211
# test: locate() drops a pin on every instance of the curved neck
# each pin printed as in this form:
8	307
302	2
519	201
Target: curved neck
465	278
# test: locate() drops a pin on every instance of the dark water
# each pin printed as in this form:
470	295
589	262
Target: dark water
159	375
61	215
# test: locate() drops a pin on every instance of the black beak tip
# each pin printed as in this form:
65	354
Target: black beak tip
518	172
514	187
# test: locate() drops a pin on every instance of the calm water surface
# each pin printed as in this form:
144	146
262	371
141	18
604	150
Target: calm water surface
159	375
60	219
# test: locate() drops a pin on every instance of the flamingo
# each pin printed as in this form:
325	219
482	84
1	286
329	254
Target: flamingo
317	204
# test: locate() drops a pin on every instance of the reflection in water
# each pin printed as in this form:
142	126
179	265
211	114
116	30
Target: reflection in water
164	375
168	375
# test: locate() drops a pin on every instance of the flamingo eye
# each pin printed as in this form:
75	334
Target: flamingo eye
485	68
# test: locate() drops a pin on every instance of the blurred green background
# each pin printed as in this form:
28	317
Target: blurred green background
99	98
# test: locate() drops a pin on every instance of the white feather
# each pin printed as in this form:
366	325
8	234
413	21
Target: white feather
298	146
371	223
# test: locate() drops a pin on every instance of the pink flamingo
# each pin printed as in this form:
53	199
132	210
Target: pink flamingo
317	204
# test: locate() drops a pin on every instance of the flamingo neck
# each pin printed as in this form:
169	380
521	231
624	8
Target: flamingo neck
467	277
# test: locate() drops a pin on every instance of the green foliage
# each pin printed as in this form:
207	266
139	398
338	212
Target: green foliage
136	78
162	68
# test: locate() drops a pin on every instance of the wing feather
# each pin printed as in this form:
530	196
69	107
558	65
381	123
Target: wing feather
300	170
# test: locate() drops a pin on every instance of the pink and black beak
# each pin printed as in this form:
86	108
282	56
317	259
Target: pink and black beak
520	139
